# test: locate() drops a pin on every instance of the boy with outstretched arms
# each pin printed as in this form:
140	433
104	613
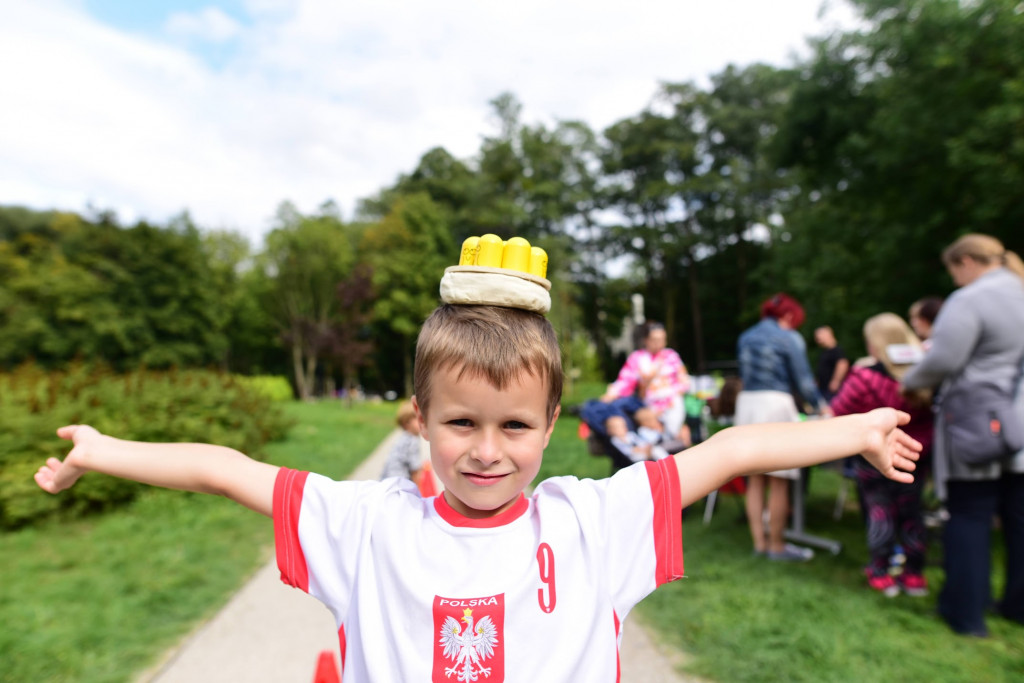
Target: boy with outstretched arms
482	583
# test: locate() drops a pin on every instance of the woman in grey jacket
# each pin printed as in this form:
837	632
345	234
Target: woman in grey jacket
978	337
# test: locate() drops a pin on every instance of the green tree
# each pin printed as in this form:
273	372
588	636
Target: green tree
50	308
351	343
453	185
740	194
408	251
305	259
253	346
652	161
138	295
902	136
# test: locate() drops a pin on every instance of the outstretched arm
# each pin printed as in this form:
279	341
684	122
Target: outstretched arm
755	449
202	468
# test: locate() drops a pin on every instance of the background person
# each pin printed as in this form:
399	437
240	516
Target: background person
893	513
923	313
978	338
771	362
658	376
405	459
832	362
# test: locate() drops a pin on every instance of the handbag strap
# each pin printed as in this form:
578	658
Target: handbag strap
1016	382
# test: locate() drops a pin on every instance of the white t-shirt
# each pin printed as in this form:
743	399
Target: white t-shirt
537	593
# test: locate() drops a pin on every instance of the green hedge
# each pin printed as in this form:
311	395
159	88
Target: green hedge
144	405
273	387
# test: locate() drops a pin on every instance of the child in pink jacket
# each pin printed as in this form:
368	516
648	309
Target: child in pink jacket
893	510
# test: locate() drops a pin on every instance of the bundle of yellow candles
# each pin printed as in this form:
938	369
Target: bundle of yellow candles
496	272
515	254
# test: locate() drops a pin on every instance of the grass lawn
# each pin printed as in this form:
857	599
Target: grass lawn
740	618
100	598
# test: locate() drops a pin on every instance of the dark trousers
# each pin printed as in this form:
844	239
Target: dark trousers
967	592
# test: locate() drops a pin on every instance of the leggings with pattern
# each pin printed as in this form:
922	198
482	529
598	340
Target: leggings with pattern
894	513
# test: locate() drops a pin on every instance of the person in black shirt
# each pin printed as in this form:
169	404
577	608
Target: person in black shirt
832	362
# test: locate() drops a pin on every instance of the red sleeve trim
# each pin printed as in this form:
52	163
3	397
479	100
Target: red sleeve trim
288	488
342	645
668	519
618	650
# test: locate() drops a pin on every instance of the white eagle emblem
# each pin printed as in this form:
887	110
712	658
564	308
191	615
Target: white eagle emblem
468	649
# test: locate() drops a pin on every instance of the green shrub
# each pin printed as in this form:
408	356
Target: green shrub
144	405
273	387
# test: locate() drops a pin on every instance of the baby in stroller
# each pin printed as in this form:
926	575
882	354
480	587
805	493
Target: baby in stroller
627	432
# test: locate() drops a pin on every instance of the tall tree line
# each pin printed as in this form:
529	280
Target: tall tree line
838	180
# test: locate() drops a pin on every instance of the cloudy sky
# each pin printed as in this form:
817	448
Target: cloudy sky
225	109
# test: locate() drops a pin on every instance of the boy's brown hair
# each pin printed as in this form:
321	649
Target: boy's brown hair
492	342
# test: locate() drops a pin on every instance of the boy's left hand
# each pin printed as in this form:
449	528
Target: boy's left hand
891	450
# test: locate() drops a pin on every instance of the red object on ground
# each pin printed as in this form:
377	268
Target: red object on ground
583	431
737	485
326	669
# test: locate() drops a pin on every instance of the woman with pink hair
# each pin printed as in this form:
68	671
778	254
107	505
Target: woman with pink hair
773	359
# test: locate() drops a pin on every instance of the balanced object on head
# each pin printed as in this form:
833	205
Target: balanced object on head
496	273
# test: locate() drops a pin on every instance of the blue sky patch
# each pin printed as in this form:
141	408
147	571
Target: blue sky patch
149	16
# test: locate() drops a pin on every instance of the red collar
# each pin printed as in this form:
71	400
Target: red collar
455	518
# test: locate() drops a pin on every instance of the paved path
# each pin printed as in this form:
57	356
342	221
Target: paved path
272	633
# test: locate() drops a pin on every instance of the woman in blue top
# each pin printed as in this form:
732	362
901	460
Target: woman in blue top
773	360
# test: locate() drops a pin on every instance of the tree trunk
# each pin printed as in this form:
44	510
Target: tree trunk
698	324
300	376
407	368
741	270
569	375
310	373
349	383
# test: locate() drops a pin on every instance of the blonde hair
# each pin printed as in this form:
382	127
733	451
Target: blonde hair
404	413
984	249
496	343
883	330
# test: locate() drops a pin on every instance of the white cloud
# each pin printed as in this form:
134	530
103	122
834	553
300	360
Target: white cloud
320	99
209	23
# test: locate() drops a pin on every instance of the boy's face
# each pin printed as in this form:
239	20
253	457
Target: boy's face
486	445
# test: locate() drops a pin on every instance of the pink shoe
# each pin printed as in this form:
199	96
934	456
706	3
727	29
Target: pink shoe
884	584
913	584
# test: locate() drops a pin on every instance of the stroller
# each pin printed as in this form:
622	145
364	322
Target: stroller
595	413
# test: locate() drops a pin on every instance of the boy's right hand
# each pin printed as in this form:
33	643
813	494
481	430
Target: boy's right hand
55	476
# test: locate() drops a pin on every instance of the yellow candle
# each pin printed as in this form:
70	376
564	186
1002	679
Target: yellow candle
538	262
490	251
517	255
470	249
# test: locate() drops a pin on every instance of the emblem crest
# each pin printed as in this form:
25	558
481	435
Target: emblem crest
470	639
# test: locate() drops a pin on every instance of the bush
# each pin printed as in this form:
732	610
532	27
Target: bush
272	387
144	405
